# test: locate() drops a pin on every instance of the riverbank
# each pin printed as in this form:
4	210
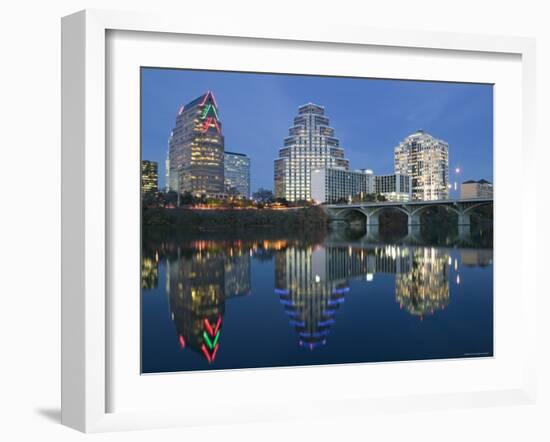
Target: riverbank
213	220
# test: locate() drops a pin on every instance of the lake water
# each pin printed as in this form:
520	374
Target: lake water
218	302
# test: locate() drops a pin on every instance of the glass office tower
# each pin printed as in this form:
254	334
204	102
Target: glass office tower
310	145
237	174
196	149
426	160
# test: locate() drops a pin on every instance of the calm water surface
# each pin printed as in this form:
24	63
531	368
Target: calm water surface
221	303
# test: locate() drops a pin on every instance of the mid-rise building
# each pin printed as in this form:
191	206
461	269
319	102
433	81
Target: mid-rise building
476	189
149	176
334	185
426	160
311	145
394	187
196	149
237	174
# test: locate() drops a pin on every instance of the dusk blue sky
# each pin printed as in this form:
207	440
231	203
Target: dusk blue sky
369	116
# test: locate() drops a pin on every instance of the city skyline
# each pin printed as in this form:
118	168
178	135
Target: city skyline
371	117
355	227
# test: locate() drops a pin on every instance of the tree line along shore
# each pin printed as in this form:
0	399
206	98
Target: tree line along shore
236	219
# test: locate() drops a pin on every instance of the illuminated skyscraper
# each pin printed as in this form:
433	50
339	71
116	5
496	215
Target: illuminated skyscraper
196	149
426	160
237	174
149	176
310	145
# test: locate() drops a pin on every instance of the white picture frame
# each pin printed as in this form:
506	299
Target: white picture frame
86	316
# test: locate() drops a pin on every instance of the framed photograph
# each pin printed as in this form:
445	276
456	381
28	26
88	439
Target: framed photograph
250	212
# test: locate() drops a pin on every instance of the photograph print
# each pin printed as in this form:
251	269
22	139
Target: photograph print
304	220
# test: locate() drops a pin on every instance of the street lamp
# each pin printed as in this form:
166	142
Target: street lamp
457	173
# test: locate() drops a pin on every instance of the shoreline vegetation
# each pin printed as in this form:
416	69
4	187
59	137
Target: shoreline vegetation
215	220
439	227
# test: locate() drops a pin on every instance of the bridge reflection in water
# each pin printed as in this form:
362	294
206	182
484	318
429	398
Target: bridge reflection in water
312	281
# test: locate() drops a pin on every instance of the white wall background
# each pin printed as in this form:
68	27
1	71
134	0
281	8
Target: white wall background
30	214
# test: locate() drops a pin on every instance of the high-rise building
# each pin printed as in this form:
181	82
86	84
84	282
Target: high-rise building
149	176
335	185
196	149
237	174
476	189
394	187
426	160
310	145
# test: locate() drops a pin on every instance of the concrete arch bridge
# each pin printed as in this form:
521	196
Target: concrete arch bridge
413	209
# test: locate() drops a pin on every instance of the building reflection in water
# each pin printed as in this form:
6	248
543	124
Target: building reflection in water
150	271
311	281
476	258
309	296
425	288
200	278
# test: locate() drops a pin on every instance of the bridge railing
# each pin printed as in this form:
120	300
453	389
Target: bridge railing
407	203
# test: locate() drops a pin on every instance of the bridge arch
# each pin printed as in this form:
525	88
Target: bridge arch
378	210
370	212
346	211
417	211
477	205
